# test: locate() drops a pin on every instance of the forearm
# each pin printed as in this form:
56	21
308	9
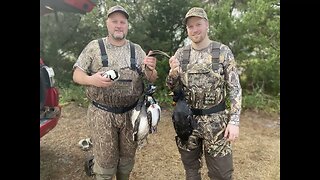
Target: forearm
234	119
234	87
81	77
151	75
235	106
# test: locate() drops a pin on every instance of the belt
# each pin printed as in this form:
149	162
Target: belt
116	110
220	107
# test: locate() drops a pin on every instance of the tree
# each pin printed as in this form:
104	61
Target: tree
252	29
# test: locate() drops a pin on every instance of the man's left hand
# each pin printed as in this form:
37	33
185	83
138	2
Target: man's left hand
150	62
232	132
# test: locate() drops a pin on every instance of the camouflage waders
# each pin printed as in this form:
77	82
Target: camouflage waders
208	137
114	149
206	77
111	131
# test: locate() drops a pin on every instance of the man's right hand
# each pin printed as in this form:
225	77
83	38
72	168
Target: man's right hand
174	67
173	62
99	80
81	77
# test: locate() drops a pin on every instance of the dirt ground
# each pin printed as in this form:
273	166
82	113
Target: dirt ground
256	152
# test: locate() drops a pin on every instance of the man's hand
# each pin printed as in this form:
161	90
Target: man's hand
174	67
232	132
99	80
96	79
150	62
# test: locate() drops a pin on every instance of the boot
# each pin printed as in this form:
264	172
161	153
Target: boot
193	174
121	176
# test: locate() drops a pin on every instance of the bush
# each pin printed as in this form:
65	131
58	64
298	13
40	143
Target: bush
258	101
263	75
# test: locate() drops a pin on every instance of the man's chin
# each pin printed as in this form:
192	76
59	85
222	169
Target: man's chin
195	40
119	37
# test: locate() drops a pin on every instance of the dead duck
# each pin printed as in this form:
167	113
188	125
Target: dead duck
140	122
112	74
153	114
182	116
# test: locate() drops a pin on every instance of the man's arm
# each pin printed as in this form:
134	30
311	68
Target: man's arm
80	77
151	74
234	87
150	71
175	70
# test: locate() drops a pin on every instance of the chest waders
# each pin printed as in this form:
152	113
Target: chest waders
203	87
123	95
208	100
119	98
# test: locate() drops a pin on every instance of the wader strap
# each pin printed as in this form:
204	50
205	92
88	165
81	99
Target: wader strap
116	110
220	107
215	51
185	57
104	56
215	55
132	56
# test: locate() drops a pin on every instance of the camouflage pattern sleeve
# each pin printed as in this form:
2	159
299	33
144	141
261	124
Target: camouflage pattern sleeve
233	85
173	82
88	54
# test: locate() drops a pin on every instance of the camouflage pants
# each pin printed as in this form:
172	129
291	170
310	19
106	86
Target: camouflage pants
217	150
113	146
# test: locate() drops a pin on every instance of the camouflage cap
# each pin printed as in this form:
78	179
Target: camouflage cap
195	11
117	8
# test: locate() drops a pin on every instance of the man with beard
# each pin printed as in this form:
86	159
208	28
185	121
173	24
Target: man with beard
206	72
113	96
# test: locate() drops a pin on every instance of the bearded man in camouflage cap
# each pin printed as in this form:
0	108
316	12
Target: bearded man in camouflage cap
206	72
112	101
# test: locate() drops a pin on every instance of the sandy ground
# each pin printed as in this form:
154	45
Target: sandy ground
256	152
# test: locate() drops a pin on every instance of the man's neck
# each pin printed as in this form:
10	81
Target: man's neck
201	45
116	42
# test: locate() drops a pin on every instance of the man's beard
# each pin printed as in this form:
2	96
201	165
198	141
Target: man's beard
196	39
118	37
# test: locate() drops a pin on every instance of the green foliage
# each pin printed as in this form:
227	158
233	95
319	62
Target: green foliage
257	100
73	93
264	75
251	28
62	38
158	24
222	23
163	98
162	69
